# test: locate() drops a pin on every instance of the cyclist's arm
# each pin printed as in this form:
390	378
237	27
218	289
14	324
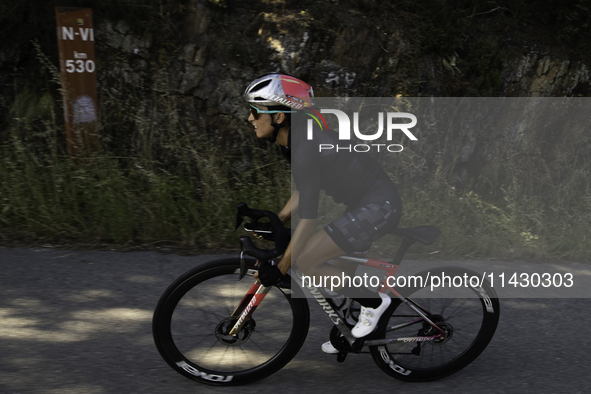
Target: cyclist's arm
291	206
300	238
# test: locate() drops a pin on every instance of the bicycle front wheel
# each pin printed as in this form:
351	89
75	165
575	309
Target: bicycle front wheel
468	314
193	314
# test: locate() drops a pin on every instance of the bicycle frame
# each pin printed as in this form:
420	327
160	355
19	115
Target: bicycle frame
183	313
257	292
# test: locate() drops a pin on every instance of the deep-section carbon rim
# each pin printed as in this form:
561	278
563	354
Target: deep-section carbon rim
468	315
192	319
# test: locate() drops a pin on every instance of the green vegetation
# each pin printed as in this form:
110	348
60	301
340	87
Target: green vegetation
167	174
156	179
180	187
45	195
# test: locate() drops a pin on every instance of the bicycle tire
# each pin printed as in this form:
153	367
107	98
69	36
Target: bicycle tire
189	313
471	317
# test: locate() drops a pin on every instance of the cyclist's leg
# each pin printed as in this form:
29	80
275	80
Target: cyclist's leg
313	259
353	232
312	262
363	223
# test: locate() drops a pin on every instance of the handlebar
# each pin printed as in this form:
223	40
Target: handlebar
281	234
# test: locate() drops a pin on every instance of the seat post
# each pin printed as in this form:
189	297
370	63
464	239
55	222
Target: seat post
402	249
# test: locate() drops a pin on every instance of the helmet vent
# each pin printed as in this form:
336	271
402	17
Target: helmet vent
260	85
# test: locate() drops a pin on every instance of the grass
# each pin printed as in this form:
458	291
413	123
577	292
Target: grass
170	183
164	182
163	177
105	198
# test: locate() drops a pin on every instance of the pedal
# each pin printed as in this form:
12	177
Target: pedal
341	356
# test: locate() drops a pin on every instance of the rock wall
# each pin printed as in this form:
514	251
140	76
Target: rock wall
190	64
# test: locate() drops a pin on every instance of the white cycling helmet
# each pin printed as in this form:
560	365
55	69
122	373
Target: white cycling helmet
279	90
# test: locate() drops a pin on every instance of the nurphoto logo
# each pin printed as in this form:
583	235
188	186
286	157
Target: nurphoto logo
344	130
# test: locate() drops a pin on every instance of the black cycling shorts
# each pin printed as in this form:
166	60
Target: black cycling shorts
374	217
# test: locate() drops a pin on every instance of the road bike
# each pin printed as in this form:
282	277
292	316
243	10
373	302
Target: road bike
213	326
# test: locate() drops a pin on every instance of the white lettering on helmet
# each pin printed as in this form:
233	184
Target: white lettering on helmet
284	101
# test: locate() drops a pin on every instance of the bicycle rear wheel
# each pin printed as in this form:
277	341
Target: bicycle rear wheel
468	315
192	314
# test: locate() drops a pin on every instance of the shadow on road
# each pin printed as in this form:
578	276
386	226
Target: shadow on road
80	322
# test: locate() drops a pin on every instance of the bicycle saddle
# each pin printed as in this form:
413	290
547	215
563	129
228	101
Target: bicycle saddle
423	234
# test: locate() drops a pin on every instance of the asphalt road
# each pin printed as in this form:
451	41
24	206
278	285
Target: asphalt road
80	322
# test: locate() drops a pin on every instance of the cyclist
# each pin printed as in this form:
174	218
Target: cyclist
372	201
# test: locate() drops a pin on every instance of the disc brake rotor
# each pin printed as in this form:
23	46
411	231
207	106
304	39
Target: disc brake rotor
222	331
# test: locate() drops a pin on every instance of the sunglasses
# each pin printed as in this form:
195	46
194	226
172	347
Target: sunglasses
255	111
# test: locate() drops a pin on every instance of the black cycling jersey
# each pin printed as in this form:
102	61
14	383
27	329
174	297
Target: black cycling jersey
345	175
